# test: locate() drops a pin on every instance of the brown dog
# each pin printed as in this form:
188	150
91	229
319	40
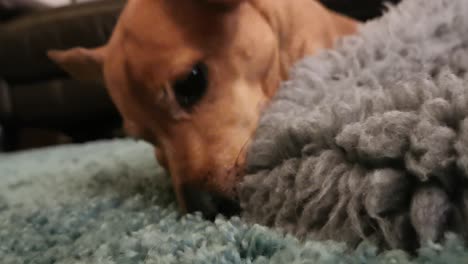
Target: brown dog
192	76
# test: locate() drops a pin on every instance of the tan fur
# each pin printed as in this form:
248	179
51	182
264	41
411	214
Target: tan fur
248	46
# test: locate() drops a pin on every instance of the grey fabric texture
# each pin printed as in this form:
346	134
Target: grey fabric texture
110	203
370	140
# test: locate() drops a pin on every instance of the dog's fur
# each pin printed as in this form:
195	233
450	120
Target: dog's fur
248	47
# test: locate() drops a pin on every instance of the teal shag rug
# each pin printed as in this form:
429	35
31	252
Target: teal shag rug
109	202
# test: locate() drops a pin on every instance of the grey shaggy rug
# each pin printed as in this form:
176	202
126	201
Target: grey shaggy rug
370	140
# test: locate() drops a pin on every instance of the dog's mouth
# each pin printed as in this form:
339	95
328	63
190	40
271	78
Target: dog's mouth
225	198
219	198
210	204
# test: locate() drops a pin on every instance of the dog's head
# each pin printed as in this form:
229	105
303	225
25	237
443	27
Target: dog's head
191	77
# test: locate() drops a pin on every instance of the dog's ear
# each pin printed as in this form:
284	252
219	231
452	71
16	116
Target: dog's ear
80	63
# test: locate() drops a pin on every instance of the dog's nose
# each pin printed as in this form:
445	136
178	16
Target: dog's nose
209	204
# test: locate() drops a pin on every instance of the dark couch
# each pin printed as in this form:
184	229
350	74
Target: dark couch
34	92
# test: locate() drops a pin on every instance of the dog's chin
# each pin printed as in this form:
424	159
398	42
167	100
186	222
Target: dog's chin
210	204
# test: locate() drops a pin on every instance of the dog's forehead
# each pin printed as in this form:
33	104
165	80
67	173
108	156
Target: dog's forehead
161	36
148	21
164	16
149	41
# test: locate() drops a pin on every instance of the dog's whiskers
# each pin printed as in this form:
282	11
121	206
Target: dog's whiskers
237	160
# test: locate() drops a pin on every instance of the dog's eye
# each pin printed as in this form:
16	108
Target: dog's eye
190	88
